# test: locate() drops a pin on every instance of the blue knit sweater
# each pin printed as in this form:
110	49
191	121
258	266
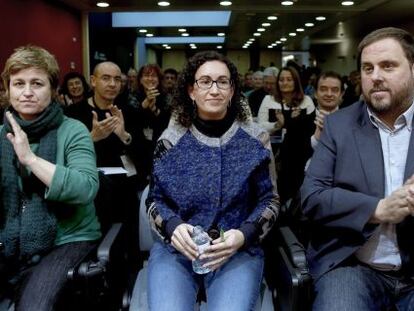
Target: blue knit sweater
223	182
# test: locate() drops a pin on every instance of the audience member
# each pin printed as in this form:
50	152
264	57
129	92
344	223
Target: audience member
48	183
211	168
152	107
169	80
132	81
269	84
353	91
257	81
359	189
299	114
74	89
247	83
328	94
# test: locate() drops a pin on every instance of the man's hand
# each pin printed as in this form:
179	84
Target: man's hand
223	248
319	123
394	208
102	129
182	242
120	123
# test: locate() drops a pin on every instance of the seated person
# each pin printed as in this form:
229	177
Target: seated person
358	191
213	168
48	183
328	94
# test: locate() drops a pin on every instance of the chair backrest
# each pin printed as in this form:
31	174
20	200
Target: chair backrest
146	238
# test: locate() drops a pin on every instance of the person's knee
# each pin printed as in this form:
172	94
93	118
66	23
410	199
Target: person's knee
347	288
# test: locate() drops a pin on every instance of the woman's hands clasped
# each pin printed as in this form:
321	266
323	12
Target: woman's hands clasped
216	254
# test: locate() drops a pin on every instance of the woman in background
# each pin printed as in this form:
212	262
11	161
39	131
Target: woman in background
48	183
298	121
74	89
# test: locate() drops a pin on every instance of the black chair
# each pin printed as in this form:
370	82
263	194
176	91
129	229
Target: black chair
100	280
287	271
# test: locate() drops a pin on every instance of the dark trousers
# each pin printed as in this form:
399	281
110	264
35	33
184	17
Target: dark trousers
40	285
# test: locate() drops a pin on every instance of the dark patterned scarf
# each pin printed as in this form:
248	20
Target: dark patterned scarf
27	224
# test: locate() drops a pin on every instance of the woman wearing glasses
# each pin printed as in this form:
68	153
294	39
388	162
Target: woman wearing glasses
212	168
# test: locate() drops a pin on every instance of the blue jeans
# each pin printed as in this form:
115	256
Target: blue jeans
359	287
172	284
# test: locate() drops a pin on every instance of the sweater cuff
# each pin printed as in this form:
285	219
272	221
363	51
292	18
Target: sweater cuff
171	224
251	234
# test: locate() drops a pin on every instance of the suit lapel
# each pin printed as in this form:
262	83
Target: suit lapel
368	143
409	165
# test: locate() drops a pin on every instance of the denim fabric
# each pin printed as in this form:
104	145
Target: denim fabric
361	288
42	283
172	284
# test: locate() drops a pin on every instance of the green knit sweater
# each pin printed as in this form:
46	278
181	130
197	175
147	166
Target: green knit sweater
74	183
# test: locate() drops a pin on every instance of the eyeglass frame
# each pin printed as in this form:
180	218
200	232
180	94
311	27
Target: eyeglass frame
214	81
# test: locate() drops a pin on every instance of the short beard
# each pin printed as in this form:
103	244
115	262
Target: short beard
399	101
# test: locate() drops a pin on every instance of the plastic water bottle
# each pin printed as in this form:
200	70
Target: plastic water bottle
202	240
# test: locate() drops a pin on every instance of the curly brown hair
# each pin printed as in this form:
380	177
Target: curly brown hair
182	105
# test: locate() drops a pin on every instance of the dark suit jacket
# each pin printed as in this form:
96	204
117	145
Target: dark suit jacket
342	187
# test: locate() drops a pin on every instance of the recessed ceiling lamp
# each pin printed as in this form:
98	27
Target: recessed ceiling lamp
102	4
182	30
252	39
149	35
219	46
283	39
309	24
287	2
300	29
143	31
320	18
261	29
185	34
272	18
278	42
257	34
165	45
347	3
270	46
245	46
168	47
221	34
266	24
225	3
292	34
163	3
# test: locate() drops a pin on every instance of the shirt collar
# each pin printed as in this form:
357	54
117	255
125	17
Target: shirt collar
405	118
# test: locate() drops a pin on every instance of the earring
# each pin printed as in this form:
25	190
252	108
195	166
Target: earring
194	104
229	104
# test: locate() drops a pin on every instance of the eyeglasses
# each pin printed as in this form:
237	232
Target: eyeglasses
207	83
108	79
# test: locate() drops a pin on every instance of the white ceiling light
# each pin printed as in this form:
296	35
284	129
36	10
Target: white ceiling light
278	42
221	34
266	24
184	34
261	29
272	18
165	45
225	3
102	4
257	34
300	29
270	46
347	3
309	24
168	47
219	46
143	31
163	3
149	35
292	34
283	39
287	2
182	30
320	18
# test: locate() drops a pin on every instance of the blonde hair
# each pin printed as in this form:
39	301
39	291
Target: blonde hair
31	56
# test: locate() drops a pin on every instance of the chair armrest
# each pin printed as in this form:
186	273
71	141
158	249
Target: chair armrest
293	248
105	247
